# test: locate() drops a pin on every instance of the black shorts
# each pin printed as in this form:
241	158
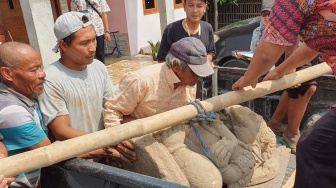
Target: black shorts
294	93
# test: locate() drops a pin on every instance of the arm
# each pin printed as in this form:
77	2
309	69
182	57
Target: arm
164	47
300	56
61	129
104	8
263	59
123	101
3	150
106	26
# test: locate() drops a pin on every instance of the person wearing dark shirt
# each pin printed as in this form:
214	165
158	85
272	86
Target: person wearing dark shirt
191	26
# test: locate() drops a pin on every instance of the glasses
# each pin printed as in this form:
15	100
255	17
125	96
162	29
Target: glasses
265	13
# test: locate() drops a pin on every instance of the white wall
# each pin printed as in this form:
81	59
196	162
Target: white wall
179	14
142	28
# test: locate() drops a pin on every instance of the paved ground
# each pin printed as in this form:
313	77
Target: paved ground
118	67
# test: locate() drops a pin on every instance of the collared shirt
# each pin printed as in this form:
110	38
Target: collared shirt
100	5
314	20
147	92
21	126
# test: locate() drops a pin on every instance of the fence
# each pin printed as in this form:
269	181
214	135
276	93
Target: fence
231	13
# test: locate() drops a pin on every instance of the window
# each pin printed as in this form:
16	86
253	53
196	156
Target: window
150	6
178	3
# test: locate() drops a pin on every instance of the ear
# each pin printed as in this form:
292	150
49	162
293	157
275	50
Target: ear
175	67
6	73
63	46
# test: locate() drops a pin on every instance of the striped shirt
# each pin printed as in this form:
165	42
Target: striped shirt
146	92
314	20
100	5
21	126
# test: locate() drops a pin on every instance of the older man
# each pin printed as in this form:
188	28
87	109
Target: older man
160	87
21	125
77	86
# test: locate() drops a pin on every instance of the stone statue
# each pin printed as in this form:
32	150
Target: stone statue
237	151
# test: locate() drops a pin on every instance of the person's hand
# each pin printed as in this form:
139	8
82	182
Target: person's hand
107	37
211	64
123	151
238	55
242	82
273	75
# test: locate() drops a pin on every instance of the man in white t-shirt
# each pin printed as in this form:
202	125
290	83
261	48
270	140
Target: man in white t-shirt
77	86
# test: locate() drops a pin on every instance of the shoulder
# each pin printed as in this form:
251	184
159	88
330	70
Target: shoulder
53	68
205	24
8	100
14	115
175	25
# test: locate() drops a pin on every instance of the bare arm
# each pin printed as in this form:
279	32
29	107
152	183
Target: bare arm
265	56
3	150
44	142
299	57
106	26
62	130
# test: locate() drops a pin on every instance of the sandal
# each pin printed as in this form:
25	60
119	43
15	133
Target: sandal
291	144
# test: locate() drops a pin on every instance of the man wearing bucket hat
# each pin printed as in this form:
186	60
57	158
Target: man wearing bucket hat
160	87
77	86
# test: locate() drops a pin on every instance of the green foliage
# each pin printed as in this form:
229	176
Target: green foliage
155	48
222	2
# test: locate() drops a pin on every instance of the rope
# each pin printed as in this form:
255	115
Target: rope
203	118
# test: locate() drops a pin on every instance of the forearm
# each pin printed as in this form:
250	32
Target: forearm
209	57
93	154
62	130
68	133
299	57
265	56
3	150
105	21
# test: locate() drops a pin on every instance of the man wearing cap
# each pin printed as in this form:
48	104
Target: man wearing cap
96	11
160	87
77	86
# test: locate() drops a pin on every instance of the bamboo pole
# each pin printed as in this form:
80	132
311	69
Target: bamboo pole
67	149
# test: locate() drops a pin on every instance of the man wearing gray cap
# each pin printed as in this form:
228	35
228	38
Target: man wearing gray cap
77	86
160	87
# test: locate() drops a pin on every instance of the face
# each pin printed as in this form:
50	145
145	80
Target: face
82	49
28	76
194	9
187	76
265	17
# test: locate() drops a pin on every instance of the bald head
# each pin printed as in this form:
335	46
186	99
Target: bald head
12	53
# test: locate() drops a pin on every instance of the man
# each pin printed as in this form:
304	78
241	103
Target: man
160	87
96	11
21	125
77	86
315	22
